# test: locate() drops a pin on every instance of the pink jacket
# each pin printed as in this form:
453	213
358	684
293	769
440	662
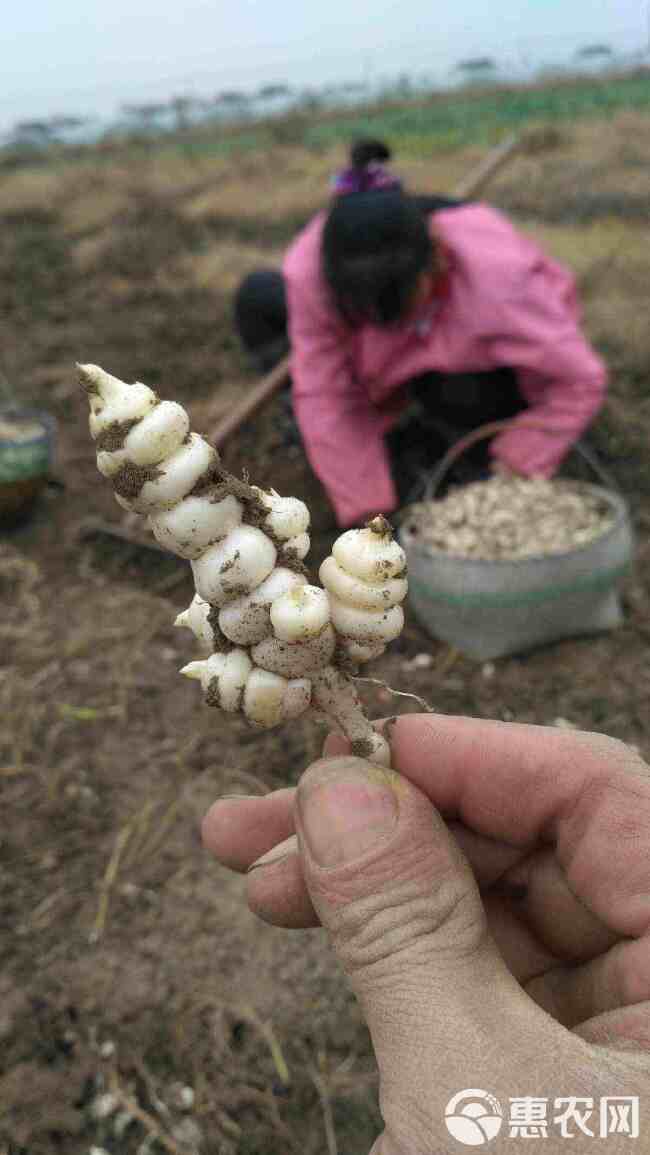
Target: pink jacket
505	304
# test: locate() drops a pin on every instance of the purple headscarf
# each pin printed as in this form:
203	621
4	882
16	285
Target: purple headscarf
371	176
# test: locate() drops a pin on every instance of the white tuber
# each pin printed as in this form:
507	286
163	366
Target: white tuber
371	554
295	660
355	592
288	516
298	546
301	613
188	528
171	480
197	619
234	566
366	580
231	681
359	653
224	676
154	436
117	402
247	620
276	644
369	627
270	699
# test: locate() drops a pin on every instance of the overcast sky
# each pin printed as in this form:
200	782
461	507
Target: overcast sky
89	56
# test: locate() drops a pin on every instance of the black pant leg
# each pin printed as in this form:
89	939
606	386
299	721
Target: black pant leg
444	408
465	401
260	315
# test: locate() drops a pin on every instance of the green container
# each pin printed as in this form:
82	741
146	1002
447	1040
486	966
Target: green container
489	609
27	444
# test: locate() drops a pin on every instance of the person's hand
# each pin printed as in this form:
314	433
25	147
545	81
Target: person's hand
491	907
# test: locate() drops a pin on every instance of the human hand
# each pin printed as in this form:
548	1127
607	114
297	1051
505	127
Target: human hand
490	905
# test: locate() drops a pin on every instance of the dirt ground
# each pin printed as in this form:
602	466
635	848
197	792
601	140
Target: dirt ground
142	1008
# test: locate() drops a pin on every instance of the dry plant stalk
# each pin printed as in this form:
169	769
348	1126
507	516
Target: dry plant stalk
328	1119
108	882
275	644
511	518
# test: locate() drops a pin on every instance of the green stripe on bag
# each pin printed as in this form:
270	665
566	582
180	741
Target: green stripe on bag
600	581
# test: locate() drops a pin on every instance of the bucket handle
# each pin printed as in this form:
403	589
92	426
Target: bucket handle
489	430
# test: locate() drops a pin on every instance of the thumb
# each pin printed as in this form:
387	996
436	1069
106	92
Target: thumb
405	917
385	876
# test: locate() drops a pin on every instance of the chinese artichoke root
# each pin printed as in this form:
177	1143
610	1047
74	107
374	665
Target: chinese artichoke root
275	644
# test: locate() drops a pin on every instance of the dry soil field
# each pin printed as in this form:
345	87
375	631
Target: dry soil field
130	965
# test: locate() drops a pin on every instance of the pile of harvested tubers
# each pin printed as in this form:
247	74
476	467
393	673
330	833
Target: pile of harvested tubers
511	518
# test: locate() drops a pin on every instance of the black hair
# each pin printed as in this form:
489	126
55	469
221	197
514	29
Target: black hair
375	246
363	152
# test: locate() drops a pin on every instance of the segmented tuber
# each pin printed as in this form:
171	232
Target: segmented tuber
276	644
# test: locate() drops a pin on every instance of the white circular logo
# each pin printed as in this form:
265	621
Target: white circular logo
474	1117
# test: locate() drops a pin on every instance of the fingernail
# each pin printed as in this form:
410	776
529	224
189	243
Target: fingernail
346	810
282	850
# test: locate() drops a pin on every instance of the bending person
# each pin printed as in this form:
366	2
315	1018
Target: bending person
412	320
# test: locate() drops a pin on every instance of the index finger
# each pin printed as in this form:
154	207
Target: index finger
526	785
